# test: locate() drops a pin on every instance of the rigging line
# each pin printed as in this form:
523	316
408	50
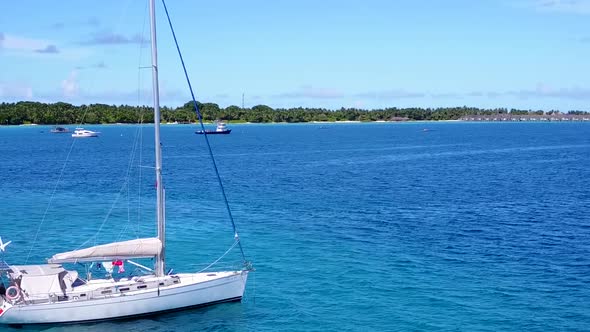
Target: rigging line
141	115
86	109
127	183
106	217
137	138
128	187
140	129
124	186
61	173
136	144
231	218
140	172
237	241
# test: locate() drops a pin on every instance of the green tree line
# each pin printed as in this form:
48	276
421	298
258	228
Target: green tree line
63	113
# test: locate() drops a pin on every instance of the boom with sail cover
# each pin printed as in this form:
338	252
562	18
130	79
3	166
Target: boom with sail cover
139	248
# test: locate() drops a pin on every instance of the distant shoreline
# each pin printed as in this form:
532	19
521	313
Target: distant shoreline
165	124
28	112
29	125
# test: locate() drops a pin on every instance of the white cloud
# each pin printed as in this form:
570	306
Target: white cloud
12	90
544	90
98	65
69	86
358	104
541	90
15	43
110	38
30	47
90	21
49	49
391	94
446	95
312	93
563	6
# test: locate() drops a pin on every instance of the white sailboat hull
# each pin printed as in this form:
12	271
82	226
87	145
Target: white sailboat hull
192	291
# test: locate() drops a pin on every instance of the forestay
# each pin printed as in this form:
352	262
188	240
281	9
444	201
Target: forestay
139	248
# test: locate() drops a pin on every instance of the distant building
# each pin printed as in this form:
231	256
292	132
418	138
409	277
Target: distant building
529	117
398	118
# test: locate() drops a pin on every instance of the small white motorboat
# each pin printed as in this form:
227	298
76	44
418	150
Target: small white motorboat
221	129
81	132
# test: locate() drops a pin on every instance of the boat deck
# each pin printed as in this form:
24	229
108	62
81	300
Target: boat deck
106	288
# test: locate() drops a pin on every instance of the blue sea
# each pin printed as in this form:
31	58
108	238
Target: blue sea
351	227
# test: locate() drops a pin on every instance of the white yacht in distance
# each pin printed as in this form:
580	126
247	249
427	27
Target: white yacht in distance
51	294
81	133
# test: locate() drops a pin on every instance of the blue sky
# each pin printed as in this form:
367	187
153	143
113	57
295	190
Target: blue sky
372	53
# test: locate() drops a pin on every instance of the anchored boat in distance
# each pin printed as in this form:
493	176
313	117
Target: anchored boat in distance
221	129
81	133
59	130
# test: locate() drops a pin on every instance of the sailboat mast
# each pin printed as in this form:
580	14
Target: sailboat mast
159	185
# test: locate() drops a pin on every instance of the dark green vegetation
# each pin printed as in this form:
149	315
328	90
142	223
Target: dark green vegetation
63	113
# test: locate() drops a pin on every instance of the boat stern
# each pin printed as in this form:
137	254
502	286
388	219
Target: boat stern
4	311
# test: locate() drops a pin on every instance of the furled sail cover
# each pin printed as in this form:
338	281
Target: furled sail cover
139	248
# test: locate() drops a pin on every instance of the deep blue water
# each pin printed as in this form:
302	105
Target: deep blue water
351	227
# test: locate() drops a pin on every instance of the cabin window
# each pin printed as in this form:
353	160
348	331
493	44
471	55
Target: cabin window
123	289
142	287
78	282
106	292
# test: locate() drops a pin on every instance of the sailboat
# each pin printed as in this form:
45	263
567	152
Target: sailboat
51	294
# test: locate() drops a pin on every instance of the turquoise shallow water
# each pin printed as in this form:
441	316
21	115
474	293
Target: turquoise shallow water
351	227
